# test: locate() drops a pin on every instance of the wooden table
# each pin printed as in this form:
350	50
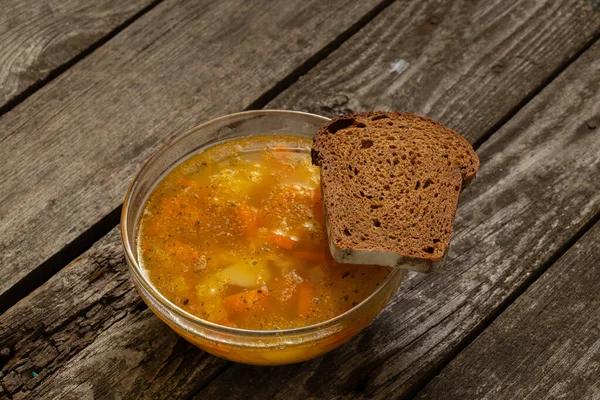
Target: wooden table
89	89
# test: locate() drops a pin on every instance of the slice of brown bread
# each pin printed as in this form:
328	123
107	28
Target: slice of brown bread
391	183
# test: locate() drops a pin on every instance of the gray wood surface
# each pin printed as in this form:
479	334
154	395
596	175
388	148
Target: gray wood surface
69	151
545	346
36	37
506	228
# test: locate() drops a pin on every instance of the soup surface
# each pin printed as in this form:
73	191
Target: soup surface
236	235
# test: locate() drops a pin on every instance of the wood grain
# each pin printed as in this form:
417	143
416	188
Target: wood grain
69	151
545	346
468	64
36	37
536	188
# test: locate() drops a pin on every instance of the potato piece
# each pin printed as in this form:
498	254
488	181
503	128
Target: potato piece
246	275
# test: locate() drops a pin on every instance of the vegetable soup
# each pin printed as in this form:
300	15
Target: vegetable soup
236	235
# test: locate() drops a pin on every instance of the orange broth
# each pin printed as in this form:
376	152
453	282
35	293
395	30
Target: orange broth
236	235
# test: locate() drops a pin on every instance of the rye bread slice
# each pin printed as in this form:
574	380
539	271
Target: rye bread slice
391	183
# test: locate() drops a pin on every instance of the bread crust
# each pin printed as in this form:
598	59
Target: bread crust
391	183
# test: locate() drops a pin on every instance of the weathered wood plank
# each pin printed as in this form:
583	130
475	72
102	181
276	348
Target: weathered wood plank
71	149
413	315
455	58
536	188
36	37
545	346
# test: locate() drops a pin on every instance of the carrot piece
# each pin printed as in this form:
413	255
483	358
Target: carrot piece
282	240
311	256
306	294
248	217
255	299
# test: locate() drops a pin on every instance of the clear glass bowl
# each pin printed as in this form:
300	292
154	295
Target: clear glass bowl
273	347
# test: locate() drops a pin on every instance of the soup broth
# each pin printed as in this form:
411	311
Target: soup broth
236	235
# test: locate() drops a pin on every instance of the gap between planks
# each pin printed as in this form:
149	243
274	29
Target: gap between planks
516	360
319	56
59	70
84	241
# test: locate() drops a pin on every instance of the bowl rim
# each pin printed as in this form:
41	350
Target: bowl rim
136	269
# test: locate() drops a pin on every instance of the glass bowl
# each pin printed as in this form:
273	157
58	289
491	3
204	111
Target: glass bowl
268	347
